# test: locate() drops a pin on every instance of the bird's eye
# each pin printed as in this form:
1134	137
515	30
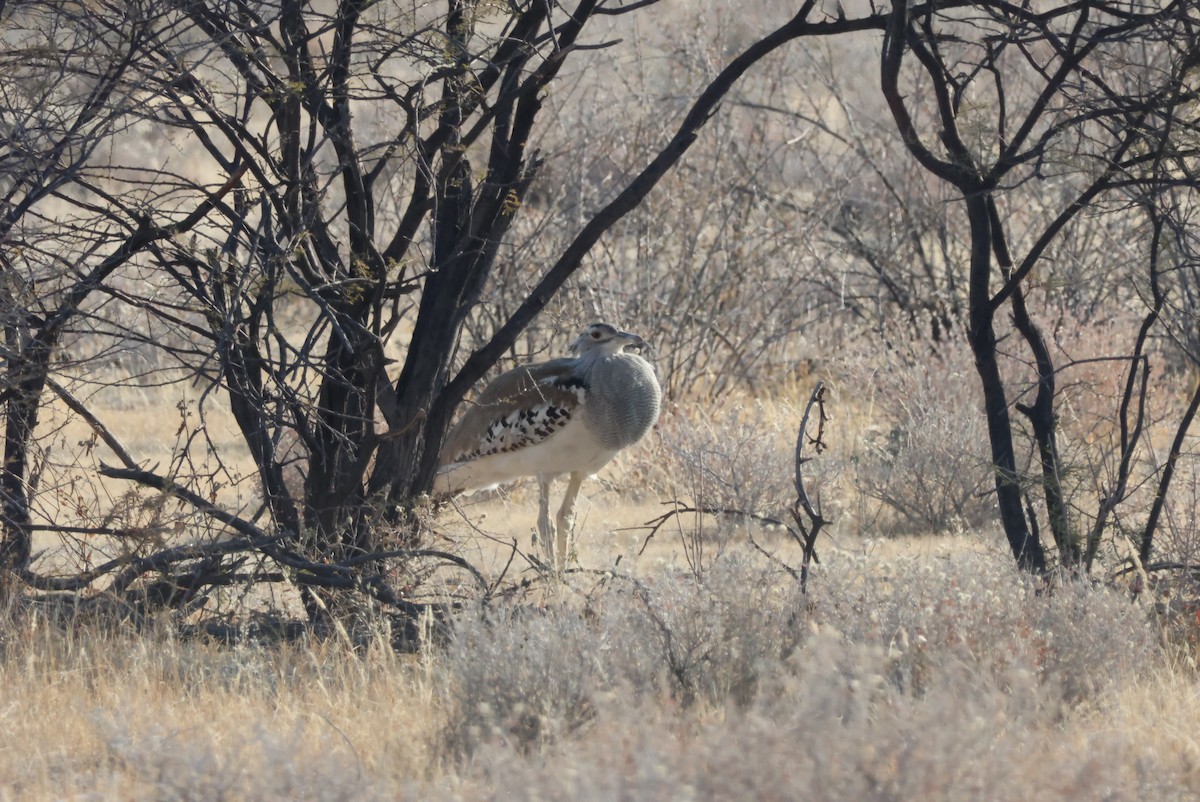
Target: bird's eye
595	335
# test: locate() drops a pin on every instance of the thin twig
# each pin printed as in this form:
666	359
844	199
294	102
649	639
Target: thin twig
654	524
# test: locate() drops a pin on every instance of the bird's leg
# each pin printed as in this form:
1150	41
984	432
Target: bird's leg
545	529
566	516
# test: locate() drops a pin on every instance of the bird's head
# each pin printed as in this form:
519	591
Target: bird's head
605	339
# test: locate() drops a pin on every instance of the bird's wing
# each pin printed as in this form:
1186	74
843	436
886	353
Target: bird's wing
518	409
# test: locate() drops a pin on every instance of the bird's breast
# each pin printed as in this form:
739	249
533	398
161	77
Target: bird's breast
623	401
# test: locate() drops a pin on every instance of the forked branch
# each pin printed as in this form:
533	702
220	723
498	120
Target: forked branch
806	513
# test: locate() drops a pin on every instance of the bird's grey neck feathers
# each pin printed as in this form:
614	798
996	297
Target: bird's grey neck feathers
623	397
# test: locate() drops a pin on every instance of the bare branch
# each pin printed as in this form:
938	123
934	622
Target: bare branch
105	434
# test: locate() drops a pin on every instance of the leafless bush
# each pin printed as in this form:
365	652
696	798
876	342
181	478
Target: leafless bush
978	610
925	457
741	635
898	680
527	678
735	456
1179	540
837	730
730	471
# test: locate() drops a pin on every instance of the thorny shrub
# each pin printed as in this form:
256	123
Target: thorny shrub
740	458
834	728
924	457
527	677
743	636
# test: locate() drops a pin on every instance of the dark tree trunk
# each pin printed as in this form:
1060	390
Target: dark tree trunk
982	336
21	419
1041	413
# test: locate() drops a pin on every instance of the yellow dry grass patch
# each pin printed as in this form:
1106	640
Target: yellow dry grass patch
1157	709
92	714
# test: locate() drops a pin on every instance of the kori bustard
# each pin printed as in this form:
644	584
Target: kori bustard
565	416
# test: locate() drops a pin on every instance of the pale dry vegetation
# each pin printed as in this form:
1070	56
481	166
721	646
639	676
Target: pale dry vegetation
686	667
937	677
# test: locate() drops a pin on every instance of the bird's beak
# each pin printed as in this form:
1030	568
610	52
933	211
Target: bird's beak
633	341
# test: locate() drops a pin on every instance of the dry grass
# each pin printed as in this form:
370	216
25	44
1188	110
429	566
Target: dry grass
944	675
94	715
915	667
683	666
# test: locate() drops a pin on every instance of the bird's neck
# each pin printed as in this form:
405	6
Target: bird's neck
591	361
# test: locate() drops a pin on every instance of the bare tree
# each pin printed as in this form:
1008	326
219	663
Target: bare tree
67	94
1115	122
350	172
357	166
